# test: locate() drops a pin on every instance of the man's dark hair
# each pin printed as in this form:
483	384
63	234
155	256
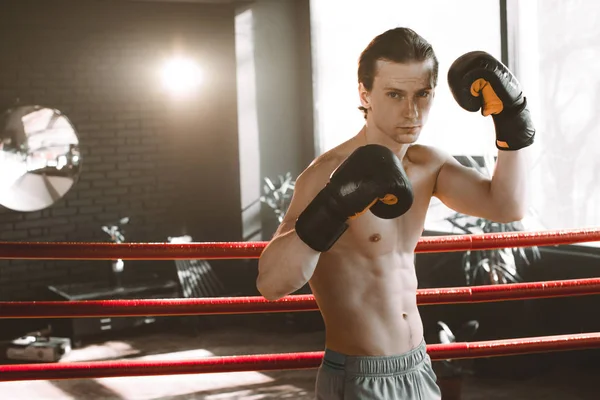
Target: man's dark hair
400	45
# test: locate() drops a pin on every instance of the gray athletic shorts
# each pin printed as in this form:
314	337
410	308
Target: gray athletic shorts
408	376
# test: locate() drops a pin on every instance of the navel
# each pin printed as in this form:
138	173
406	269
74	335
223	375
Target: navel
404	315
376	237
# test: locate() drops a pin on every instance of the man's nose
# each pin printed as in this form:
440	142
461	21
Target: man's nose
410	110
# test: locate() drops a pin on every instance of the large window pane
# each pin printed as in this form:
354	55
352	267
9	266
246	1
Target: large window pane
564	71
343	28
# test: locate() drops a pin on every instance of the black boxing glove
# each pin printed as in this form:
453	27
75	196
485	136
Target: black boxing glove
372	177
479	81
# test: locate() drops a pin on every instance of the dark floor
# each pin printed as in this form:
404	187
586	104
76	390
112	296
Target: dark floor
180	342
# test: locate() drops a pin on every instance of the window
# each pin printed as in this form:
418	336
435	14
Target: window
341	29
553	49
557	48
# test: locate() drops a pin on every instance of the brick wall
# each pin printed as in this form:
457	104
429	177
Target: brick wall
172	166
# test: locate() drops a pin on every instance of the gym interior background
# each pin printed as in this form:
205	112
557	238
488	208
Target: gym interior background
278	89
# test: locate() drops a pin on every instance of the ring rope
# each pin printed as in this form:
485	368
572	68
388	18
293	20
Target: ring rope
258	304
269	362
245	250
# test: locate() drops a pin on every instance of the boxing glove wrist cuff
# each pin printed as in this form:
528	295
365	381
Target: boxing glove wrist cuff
514	128
320	225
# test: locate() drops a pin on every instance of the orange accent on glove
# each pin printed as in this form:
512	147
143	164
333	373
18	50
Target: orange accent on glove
491	102
388	199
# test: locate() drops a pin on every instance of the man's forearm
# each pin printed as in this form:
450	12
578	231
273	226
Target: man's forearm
510	184
285	265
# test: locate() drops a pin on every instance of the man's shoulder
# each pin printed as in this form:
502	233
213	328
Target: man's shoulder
322	166
320	169
427	155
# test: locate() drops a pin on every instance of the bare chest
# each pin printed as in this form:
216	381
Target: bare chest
374	236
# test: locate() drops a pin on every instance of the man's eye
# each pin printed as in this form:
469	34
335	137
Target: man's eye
424	94
393	95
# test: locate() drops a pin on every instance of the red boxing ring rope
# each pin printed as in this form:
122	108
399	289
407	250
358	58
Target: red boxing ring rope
258	304
157	251
270	362
236	250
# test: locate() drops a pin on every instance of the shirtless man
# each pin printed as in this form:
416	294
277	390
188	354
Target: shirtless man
358	212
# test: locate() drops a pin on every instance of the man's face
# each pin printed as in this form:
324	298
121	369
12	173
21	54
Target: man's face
399	103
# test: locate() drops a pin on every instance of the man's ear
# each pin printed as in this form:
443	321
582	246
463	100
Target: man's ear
364	95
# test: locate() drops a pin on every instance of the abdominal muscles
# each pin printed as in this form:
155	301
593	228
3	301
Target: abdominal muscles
368	302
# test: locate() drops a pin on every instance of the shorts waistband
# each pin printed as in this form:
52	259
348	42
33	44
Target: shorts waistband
378	365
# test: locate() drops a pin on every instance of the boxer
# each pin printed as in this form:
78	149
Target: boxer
359	209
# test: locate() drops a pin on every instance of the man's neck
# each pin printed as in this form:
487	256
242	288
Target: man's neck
368	135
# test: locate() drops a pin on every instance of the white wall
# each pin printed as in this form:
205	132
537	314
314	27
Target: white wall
247	123
274	101
341	29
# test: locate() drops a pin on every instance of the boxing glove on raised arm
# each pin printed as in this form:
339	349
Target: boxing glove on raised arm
372	177
478	81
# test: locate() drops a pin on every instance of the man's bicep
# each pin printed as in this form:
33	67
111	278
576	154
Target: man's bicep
463	189
300	201
307	186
